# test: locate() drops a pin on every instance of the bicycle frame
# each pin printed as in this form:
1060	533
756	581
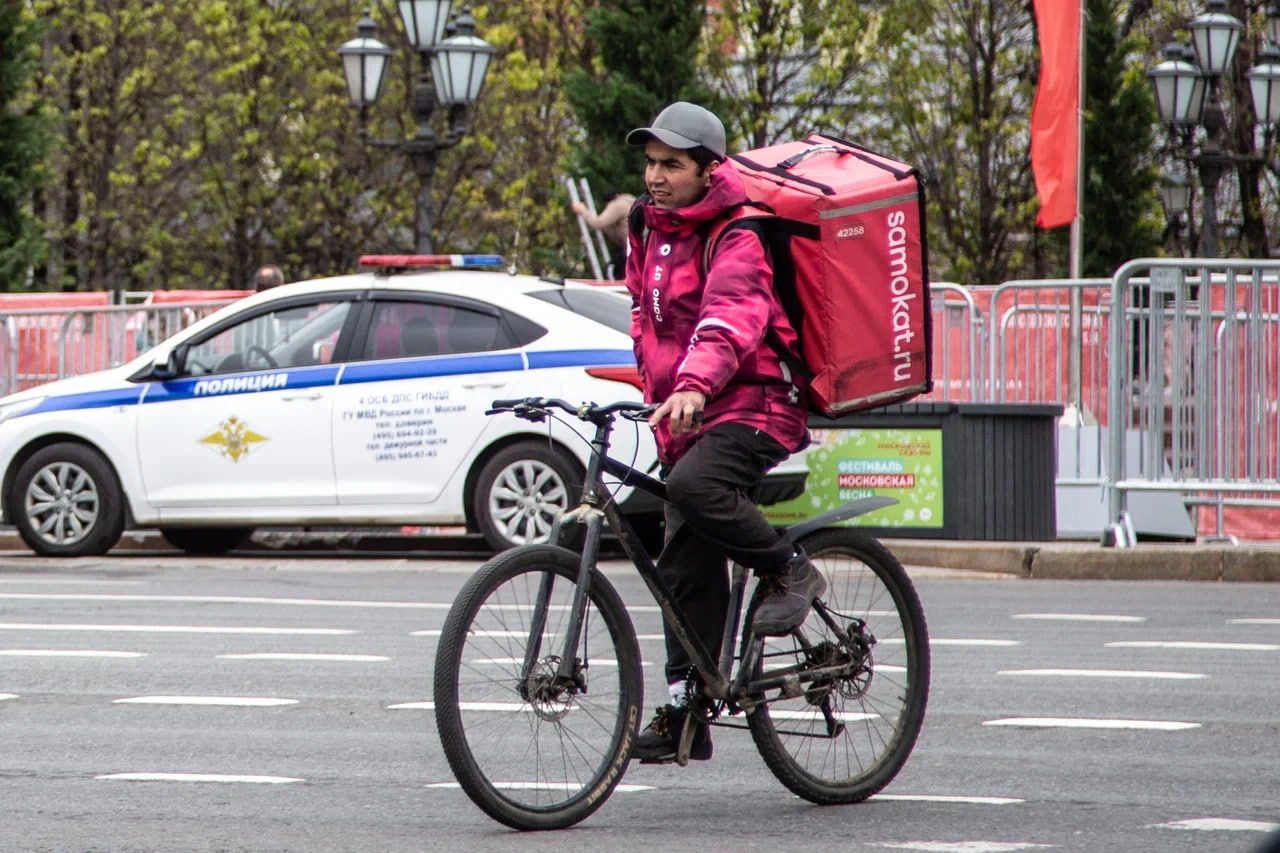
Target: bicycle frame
595	508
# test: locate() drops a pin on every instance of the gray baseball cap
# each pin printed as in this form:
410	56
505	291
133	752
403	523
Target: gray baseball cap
683	125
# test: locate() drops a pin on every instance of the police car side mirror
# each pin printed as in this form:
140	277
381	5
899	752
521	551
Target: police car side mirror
172	366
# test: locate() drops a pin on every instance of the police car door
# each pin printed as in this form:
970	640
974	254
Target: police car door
410	405
247	423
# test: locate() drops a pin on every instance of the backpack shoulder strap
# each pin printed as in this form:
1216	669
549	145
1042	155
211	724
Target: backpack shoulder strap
757	219
749	216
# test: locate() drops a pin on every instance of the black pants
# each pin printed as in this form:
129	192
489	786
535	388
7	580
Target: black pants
712	517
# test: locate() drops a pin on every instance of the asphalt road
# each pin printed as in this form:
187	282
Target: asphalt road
161	703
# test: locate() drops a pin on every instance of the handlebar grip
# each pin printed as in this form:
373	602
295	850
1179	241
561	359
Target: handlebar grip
505	405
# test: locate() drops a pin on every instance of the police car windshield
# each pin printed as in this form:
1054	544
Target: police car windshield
603	306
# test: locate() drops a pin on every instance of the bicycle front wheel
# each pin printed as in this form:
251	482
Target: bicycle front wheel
532	749
841	739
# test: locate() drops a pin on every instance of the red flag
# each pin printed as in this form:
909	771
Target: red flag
1054	116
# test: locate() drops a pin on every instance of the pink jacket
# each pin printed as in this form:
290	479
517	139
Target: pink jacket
707	333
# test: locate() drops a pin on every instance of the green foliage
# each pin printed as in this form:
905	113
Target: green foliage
954	98
1120	203
24	142
645	55
785	68
199	139
500	190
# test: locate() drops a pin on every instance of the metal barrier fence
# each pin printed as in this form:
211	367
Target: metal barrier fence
1184	353
41	345
1196	350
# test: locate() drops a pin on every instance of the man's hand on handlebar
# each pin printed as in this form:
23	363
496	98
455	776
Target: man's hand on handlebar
685	410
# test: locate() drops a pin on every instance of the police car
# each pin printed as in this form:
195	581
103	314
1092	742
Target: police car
349	401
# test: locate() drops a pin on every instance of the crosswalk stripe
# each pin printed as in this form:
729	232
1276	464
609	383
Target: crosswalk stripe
68	653
1218	824
304	656
199	777
1079	617
1104	673
1091	723
236	701
172	629
623	788
1194	644
961	846
947	798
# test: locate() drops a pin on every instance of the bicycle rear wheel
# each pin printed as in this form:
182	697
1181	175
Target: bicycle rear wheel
532	752
840	740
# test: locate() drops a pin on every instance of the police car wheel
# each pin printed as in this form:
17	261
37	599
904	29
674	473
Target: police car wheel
521	491
67	502
205	540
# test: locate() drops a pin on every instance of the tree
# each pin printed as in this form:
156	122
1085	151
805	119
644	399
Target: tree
500	189
954	98
24	142
642	55
785	68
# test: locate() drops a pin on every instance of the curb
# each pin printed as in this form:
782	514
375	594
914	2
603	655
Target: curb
1245	563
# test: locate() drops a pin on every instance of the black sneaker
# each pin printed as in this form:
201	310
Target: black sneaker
787	597
658	742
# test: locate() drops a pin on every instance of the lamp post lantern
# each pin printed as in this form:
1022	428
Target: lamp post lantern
458	64
1187	96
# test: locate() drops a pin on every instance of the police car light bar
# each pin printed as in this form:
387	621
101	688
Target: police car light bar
439	262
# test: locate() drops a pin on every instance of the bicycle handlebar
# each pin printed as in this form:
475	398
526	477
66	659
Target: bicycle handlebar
537	408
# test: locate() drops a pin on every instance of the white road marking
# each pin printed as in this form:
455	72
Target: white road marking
956	641
68	653
622	788
962	846
71	582
1079	617
1091	723
303	656
1193	644
493	633
1218	824
172	629
236	701
520	661
292	602
947	798
651	636
1104	673
1254	620
199	777
504	707
226	599
4	696
815	714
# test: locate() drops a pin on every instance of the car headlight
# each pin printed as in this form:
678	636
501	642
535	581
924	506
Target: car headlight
18	407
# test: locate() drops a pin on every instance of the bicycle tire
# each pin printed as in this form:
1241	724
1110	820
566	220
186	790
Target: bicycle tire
882	712
544	764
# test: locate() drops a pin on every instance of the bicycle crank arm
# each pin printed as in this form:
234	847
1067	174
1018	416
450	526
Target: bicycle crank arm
686	740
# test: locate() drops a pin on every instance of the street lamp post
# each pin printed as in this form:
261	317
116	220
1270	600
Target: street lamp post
1175	197
1187	96
452	74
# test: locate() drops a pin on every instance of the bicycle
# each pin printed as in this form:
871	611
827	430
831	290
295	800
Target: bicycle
538	686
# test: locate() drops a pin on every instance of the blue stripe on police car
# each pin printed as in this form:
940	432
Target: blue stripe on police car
319	376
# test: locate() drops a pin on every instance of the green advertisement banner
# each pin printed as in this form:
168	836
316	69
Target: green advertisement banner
847	464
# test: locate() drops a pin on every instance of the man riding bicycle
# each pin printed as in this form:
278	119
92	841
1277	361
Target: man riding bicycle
730	409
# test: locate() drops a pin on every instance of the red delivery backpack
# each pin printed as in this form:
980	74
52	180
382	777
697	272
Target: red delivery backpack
846	228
